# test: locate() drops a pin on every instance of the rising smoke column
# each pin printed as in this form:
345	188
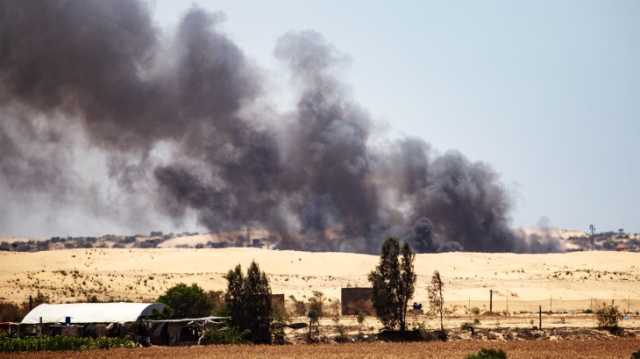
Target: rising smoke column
185	127
330	168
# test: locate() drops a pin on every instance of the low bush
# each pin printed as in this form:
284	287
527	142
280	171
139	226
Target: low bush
61	343
608	317
635	355
488	354
469	327
228	335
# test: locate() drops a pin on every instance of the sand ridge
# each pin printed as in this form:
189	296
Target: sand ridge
573	280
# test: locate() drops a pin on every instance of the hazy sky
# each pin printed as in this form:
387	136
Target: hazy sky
547	92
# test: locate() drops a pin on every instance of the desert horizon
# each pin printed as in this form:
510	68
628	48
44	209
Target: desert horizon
570	280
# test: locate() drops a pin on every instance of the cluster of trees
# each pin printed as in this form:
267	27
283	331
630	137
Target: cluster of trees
247	301
393	282
11	312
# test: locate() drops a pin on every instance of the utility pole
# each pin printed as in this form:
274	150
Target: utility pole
490	300
507	298
540	317
592	231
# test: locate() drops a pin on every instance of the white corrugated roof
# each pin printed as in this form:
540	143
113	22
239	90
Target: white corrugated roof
91	312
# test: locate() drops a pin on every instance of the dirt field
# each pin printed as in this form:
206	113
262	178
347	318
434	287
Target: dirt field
620	348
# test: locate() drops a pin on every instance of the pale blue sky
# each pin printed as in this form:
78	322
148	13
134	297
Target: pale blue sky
547	92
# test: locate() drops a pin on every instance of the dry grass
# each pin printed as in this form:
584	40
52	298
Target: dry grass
618	348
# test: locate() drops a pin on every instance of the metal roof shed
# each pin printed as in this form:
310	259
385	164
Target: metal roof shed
91	312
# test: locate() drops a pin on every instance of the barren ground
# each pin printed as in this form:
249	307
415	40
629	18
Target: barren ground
515	350
566	283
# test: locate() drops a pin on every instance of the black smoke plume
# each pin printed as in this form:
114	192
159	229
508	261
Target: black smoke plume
183	125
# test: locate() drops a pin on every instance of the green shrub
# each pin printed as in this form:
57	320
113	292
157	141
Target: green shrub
230	335
488	354
608	316
61	343
187	301
635	355
316	303
467	327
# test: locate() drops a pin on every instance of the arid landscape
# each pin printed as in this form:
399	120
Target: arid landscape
304	180
566	284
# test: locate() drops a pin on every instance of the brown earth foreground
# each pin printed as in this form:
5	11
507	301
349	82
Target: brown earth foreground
618	348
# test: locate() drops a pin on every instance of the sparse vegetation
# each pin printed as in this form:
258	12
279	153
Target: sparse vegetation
316	303
228	335
608	317
299	308
314	326
61	343
436	297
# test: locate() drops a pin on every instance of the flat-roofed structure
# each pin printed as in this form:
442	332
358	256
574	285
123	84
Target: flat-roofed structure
357	300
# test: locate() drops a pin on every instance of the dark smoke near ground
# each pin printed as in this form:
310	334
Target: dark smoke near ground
183	126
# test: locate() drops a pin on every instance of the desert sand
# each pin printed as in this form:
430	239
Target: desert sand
521	282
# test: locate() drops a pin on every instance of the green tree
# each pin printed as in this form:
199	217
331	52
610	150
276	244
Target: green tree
187	301
436	296
316	303
407	282
393	284
248	301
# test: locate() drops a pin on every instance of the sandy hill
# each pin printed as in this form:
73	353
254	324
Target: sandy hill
522	281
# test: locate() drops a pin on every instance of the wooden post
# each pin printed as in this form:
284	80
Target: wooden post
550	305
507	298
540	317
490	300
30	303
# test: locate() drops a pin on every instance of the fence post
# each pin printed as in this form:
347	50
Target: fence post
507	297
490	300
540	317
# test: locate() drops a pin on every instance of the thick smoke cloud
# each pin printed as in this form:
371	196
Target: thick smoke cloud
184	126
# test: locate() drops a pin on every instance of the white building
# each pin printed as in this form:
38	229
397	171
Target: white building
91	312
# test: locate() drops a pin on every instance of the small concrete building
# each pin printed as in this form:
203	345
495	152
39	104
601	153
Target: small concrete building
357	300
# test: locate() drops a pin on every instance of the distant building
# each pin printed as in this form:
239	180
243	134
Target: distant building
82	313
357	300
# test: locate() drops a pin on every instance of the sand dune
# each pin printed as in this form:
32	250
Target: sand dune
520	281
